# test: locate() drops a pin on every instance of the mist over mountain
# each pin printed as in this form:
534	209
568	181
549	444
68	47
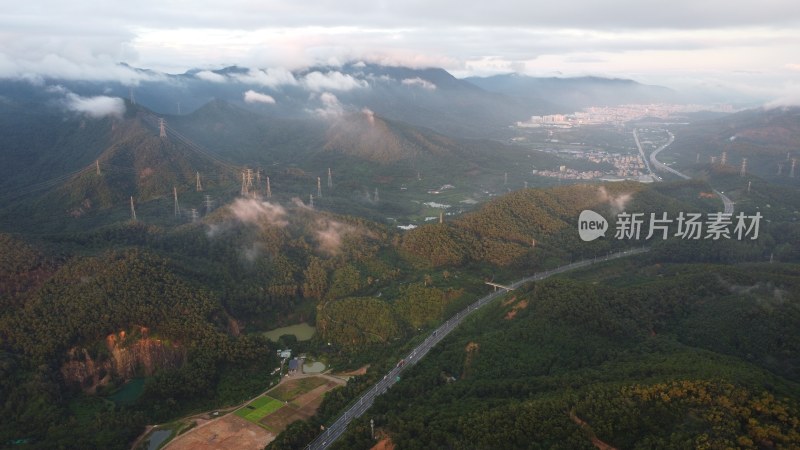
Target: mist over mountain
432	97
158	230
573	94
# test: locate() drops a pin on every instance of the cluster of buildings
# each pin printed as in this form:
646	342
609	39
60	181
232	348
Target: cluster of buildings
570	174
617	114
625	166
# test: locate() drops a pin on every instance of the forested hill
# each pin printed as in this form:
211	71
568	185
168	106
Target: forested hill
528	227
94	165
767	138
687	357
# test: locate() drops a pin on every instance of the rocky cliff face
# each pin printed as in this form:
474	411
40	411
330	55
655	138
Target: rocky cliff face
127	357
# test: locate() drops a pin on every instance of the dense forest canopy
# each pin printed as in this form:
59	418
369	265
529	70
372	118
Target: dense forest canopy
150	258
688	357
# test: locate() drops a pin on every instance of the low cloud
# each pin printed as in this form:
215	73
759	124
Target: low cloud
332	81
252	96
213	77
270	78
299	203
255	212
379	78
789	97
329	235
419	82
617	203
95	107
370	115
331	107
253	252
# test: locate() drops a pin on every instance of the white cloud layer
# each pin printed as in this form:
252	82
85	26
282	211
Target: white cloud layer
207	75
331	107
660	41
95	107
271	78
419	82
252	96
332	81
262	214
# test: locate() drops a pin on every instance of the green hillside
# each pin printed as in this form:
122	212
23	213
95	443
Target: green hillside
688	357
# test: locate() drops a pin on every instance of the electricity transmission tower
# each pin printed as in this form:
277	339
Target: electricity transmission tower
247	182
177	208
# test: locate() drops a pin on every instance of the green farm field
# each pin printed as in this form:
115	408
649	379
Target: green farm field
259	408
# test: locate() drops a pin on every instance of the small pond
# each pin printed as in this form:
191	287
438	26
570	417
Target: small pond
128	393
302	331
156	438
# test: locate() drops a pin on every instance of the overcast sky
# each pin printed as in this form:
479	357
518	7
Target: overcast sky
752	46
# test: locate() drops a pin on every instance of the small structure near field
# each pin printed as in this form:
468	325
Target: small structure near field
294	365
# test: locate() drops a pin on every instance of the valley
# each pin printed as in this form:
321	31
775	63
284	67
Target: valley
156	262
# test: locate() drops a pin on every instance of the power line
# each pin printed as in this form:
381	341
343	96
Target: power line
46	184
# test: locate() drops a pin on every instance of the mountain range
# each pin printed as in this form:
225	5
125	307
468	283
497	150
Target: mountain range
158	230
574	94
433	98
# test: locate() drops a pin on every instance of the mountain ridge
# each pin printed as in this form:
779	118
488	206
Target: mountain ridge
575	93
430	97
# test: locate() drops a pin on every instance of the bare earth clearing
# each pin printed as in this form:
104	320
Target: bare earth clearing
303	395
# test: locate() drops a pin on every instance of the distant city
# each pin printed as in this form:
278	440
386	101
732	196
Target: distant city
596	115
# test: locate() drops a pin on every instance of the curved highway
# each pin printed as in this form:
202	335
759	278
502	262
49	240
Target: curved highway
727	204
361	404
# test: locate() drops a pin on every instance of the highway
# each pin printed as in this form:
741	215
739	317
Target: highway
661	166
641	152
360	405
727	204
